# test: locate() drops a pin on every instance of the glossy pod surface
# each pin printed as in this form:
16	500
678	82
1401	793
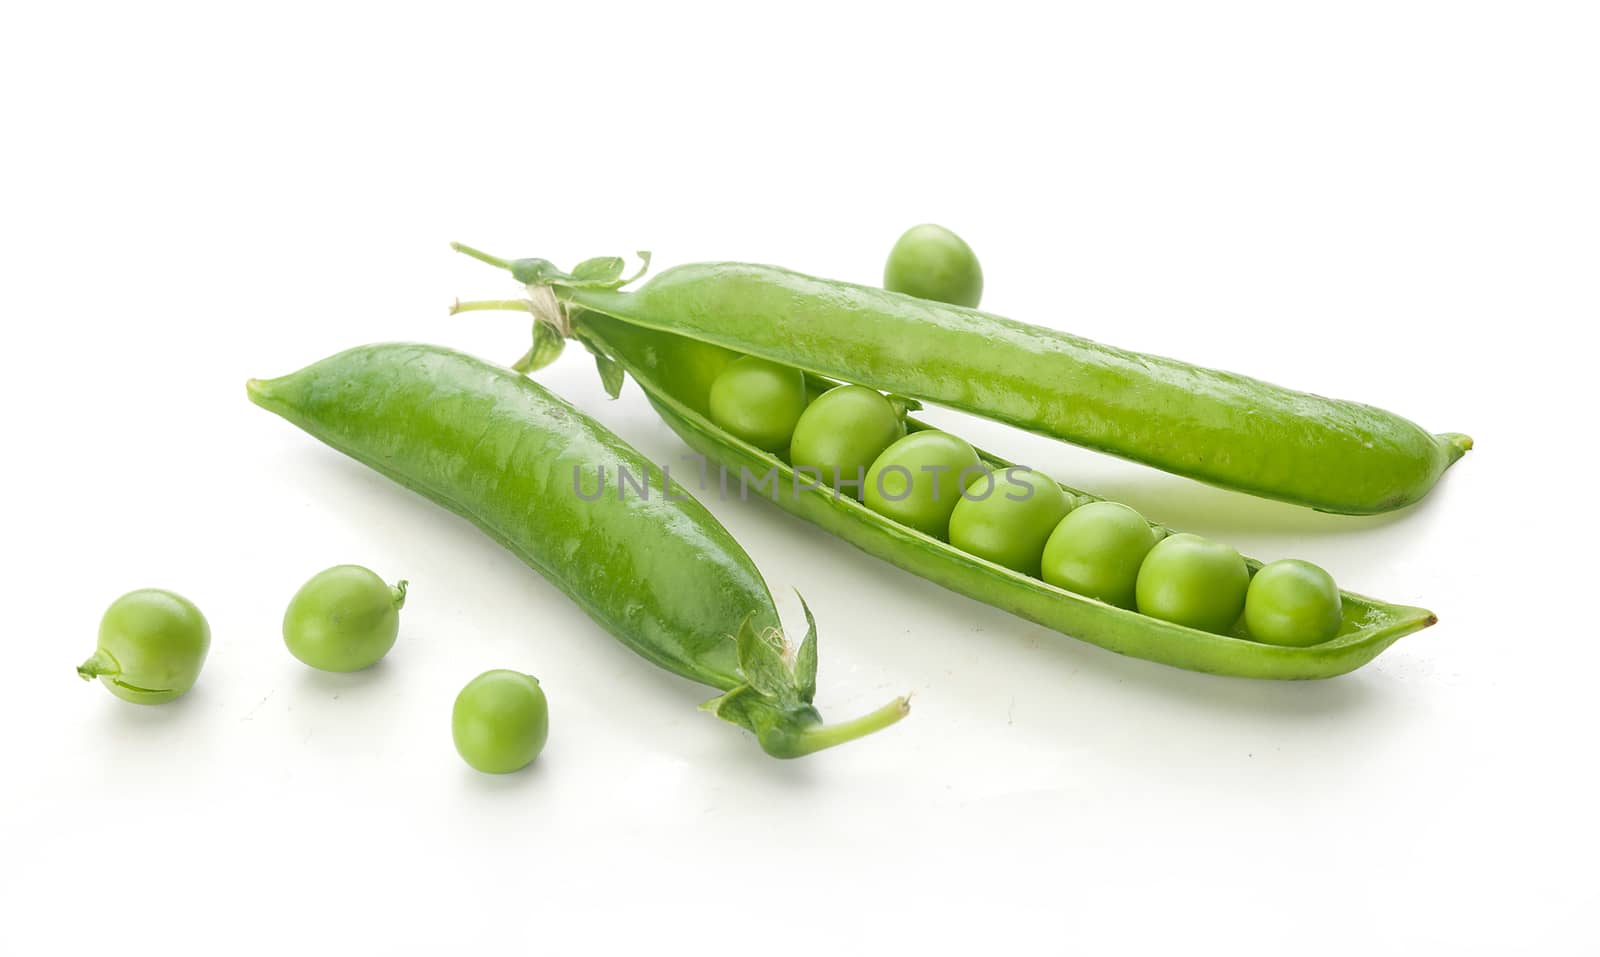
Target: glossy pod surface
656	570
675	374
1226	429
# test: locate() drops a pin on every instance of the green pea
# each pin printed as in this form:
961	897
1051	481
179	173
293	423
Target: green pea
151	647
1193	581
1097	550
1292	602
758	401
1006	518
917	481
344	619
500	721
931	262
842	433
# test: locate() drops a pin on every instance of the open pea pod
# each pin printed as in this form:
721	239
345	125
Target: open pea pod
1218	427
676	374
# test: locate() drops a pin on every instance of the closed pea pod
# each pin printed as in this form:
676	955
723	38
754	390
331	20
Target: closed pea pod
655	570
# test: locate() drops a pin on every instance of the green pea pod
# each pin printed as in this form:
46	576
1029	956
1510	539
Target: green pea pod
675	374
1225	429
650	565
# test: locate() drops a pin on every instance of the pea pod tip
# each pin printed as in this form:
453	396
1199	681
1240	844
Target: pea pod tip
260	392
1457	443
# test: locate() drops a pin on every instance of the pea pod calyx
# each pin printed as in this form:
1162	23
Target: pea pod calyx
775	701
599	272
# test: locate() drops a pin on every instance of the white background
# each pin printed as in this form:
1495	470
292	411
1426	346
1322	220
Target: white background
1394	202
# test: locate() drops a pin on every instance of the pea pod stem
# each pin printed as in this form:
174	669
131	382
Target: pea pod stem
490	305
550	316
482	256
818	737
398	591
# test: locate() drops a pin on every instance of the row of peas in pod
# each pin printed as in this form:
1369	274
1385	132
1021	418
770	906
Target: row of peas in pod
853	440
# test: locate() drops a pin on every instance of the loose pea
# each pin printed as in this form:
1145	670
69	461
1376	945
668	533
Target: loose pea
931	262
1097	550
759	401
917	481
151	647
1193	581
1292	602
500	721
344	619
1007	517
842	433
